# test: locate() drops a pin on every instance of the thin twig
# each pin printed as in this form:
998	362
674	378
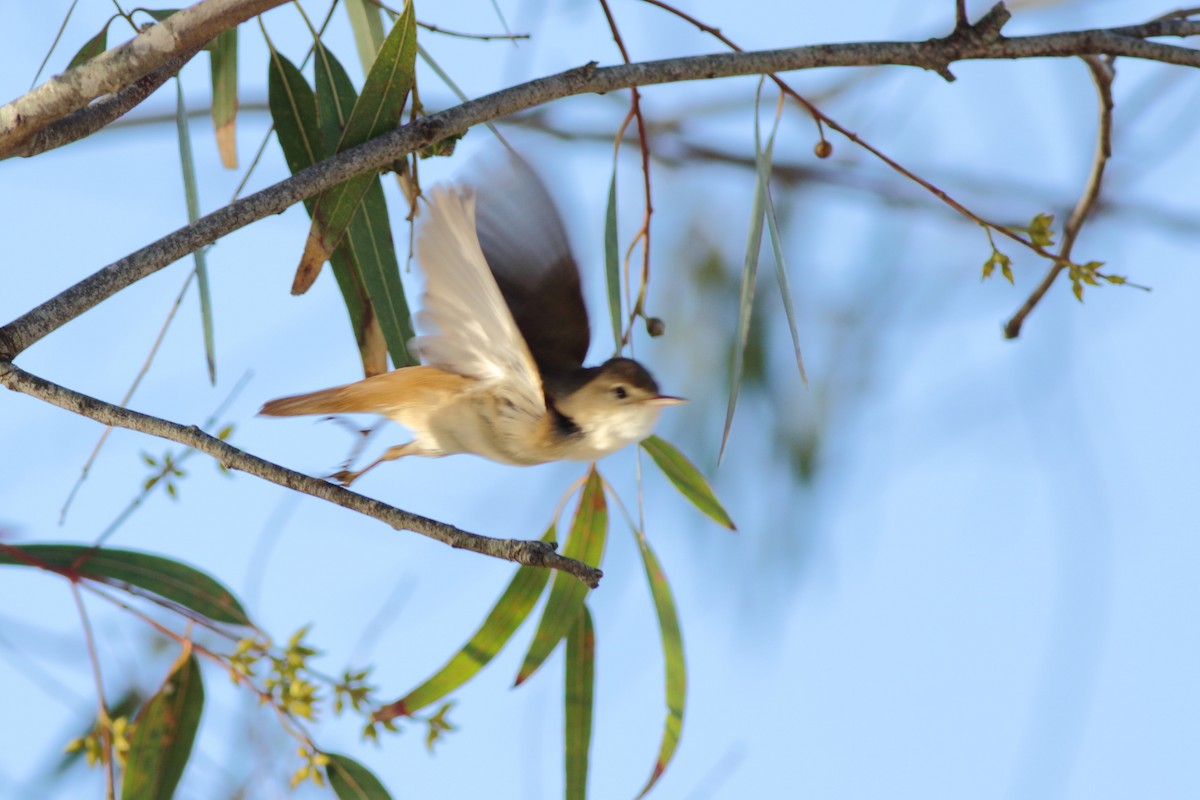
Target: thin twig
137	380
529	553
643	234
1102	73
104	723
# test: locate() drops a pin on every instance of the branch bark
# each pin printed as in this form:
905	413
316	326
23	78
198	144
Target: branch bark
114	70
532	553
981	42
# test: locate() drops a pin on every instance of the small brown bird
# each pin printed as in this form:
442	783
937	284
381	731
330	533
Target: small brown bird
504	334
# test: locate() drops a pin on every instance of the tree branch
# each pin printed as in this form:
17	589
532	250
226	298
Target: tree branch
86	121
118	68
1102	72
379	153
530	553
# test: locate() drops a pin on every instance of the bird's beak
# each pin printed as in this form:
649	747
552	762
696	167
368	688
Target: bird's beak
665	400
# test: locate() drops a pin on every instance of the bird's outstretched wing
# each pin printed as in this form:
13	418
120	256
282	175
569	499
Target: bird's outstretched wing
525	244
466	327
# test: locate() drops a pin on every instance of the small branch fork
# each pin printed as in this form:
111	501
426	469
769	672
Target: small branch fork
531	553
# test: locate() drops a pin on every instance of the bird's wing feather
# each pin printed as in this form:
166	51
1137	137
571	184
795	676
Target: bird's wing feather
525	245
465	325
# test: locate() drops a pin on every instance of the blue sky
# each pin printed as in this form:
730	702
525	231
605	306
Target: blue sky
986	587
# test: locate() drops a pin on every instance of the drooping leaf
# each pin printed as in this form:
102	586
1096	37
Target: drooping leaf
502	621
192	194
160	576
160	14
92	47
350	780
224	60
166	728
298	128
687	479
585	543
366	21
785	290
578	701
612	259
368	241
749	279
377	110
675	668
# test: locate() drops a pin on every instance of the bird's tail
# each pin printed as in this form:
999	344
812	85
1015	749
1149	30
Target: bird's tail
389	393
338	400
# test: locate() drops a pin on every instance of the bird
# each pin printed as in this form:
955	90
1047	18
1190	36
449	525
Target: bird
503	334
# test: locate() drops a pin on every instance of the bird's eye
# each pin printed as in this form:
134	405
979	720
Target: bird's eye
620	393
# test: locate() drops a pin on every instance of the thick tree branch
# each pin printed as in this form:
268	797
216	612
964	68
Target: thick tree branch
86	121
531	553
980	42
115	69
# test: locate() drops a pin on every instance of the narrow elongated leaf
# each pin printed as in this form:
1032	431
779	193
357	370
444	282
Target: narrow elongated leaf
785	291
687	479
377	111
585	543
336	96
160	14
294	112
612	259
366	21
168	579
298	128
188	164
369	240
502	621
350	780
92	47
224	59
369	237
749	277
580	680
166	729
675	668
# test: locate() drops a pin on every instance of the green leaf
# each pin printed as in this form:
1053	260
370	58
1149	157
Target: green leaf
785	291
675	679
687	479
762	175
92	47
578	701
502	621
224	60
1039	230
350	780
612	259
168	579
294	112
365	263
377	111
585	543
192	195
166	729
366	22
160	14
